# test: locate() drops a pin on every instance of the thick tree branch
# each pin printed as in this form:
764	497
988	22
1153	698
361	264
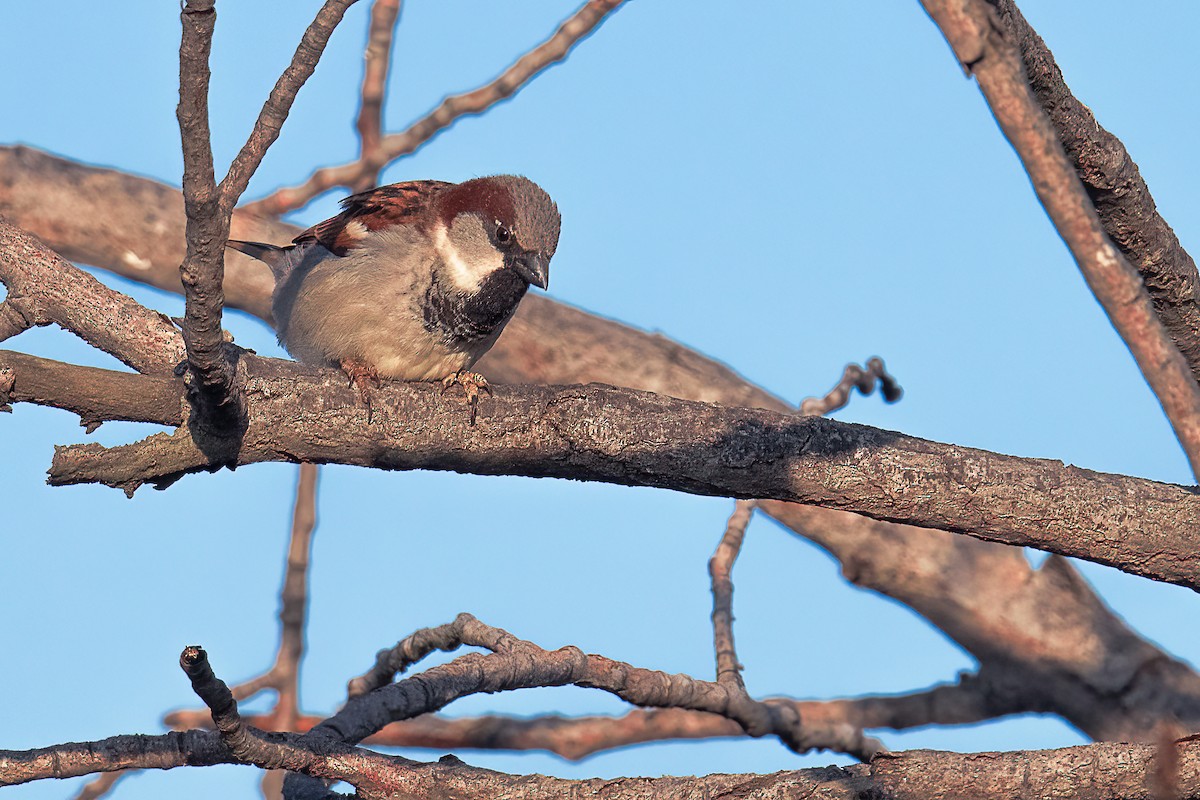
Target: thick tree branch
299	413
395	145
96	395
1118	191
207	229
1096	772
44	289
978	40
1081	661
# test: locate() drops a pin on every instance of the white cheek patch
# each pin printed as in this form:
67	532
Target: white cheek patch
463	275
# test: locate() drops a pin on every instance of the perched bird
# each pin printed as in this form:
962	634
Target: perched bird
412	281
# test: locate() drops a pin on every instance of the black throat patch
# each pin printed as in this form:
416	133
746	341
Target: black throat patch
462	318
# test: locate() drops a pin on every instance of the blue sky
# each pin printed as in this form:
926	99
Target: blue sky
784	186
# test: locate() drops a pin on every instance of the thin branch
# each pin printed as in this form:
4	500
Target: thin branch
720	570
971	699
384	16
760	718
477	101
100	786
408	651
238	737
275	110
967	701
1115	185
518	664
978	40
294	597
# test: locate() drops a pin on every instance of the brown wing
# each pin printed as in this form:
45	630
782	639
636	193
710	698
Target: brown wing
381	207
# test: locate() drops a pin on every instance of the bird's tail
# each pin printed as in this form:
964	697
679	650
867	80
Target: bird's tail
273	256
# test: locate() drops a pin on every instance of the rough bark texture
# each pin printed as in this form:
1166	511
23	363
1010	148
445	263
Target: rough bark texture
1118	191
43	289
1091	772
601	433
984	48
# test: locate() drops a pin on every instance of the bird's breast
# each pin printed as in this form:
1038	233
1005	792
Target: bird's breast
462	318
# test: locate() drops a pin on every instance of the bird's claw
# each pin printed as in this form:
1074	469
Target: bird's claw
364	378
472	382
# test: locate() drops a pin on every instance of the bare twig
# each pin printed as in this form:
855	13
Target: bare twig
968	700
971	699
384	15
855	377
451	109
284	675
978	40
760	718
720	570
411	649
516	664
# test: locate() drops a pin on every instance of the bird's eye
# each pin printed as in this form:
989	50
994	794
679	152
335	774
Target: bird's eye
503	235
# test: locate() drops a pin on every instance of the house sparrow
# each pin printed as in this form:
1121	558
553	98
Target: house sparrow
412	281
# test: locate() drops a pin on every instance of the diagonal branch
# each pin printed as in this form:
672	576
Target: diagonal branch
979	41
45	289
275	110
1115	185
476	101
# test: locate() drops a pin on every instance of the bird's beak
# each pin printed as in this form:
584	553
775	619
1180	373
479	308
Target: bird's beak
533	267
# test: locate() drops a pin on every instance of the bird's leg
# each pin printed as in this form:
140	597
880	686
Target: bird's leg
362	377
472	382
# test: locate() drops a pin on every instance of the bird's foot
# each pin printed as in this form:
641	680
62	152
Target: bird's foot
362	377
472	382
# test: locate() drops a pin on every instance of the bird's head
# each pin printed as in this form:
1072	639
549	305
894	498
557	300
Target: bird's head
499	222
